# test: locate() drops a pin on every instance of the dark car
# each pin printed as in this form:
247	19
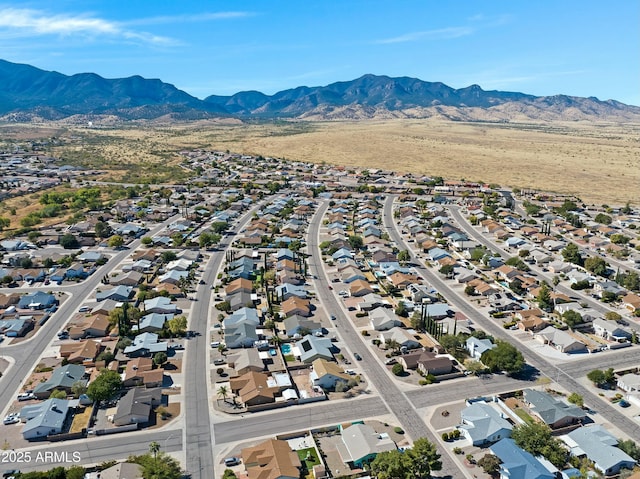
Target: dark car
357	356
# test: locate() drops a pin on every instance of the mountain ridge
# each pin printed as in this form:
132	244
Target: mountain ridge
29	92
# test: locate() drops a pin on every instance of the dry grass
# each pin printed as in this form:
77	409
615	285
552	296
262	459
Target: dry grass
598	163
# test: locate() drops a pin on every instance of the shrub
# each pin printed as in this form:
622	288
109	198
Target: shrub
398	430
397	369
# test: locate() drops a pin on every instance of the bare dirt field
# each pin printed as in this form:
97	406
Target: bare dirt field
600	163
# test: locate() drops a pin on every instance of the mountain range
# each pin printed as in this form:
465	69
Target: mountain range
28	93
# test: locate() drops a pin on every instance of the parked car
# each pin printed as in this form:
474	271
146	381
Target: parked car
84	309
215	344
232	461
26	396
12	419
218	361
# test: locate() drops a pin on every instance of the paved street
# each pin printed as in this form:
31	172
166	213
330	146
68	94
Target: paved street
198	438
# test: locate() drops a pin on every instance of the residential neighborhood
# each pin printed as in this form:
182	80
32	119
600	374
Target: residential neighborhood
290	314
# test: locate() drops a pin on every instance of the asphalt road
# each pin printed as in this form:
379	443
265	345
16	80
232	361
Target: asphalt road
198	437
95	450
543	365
298	418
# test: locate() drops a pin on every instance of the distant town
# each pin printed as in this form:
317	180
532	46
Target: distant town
274	319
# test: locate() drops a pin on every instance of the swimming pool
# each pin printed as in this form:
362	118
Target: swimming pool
286	349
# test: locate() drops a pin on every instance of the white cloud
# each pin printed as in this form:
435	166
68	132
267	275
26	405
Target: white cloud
440	33
27	22
191	18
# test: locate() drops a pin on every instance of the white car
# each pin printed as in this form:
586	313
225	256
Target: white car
12	418
25	396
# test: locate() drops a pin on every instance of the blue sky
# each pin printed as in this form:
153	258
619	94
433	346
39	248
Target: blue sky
541	47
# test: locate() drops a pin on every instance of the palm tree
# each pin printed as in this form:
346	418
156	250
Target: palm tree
154	448
222	392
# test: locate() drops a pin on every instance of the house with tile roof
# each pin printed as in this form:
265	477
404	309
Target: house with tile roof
326	374
271	459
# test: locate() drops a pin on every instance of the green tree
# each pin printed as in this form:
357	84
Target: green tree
147	241
577	399
631	281
397	369
596	265
224	306
612	316
105	386
177	325
229	474
103	230
401	309
424	458
168	256
571	253
75	472
630	447
68	241
451	342
572	318
4	223
490	464
157	465
116	241
78	388
603	219
602	378
356	242
517	263
403	256
544	298
504	357
160	358
536	438
619	238
223	392
446	270
58	394
219	227
392	465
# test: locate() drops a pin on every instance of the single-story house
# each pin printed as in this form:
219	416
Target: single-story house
361	444
271	459
44	419
481	424
326	374
136	405
598	445
552	411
